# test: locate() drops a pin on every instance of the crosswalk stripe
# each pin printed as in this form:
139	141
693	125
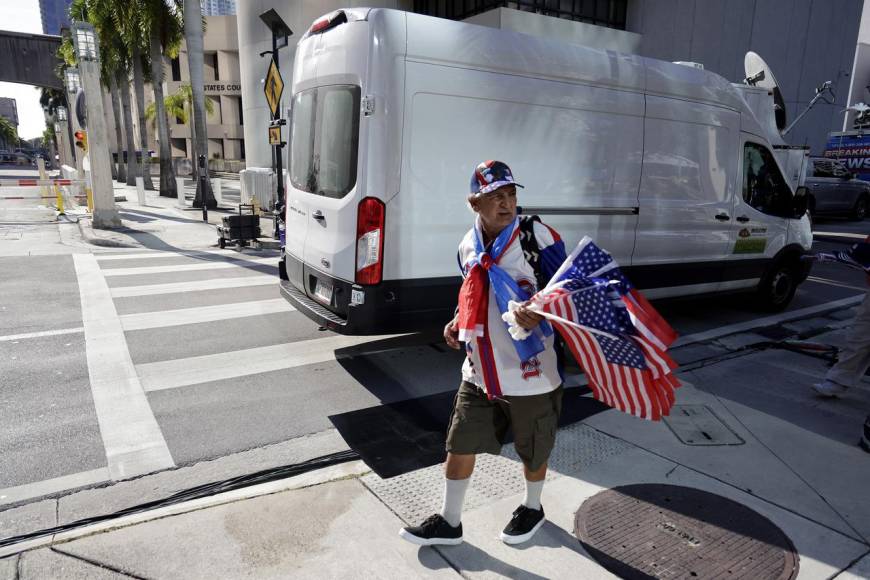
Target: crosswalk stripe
49	486
166	318
181	254
194	286
132	439
41	334
108	257
211	265
172	374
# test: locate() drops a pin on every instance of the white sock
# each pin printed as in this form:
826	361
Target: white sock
533	494
454	497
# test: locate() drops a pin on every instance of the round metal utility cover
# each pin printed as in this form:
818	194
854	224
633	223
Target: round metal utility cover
666	531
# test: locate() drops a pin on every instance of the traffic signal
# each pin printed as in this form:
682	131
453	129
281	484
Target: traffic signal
82	140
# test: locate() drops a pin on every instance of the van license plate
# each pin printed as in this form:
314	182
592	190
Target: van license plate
323	291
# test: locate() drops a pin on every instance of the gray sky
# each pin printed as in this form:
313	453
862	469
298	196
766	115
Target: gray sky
23	16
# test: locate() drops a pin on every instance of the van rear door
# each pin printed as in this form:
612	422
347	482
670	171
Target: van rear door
323	179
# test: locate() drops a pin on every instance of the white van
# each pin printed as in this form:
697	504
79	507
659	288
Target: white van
662	164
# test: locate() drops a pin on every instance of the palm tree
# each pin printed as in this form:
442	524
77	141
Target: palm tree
131	25
8	132
178	105
163	24
119	170
193	25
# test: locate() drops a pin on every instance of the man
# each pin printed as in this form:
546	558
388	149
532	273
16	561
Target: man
853	359
501	385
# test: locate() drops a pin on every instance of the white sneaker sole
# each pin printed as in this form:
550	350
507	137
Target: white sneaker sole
409	537
523	538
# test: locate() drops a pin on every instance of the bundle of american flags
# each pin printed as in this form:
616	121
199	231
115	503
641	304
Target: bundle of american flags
616	336
858	256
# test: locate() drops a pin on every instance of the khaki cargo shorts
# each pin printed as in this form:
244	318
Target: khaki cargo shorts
478	425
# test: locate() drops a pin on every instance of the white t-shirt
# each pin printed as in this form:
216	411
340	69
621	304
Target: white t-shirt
541	374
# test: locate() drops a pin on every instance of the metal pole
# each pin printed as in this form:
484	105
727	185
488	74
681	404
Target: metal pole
279	205
203	184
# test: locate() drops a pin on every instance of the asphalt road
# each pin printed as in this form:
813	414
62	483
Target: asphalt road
225	364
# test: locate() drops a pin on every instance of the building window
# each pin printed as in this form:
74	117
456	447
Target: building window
176	69
242	148
609	13
214	60
241	114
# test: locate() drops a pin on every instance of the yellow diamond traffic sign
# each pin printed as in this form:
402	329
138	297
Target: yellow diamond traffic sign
273	88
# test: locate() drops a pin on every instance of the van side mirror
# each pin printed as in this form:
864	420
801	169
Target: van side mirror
800	202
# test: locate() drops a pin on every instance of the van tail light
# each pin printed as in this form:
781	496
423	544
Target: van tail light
370	241
331	20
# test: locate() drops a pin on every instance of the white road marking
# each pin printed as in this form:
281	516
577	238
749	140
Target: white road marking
767	321
830	282
104	257
181	316
133	442
171	374
11	337
839	234
196	285
49	486
210	265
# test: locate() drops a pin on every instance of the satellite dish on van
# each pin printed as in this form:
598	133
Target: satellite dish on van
758	74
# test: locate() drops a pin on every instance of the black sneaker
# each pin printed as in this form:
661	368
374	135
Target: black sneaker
523	525
433	531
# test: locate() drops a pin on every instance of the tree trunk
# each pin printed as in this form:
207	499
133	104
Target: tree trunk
167	173
132	166
193	37
139	90
119	171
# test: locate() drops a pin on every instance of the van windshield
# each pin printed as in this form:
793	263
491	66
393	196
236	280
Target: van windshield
324	139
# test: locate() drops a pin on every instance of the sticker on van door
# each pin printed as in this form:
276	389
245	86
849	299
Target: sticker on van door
748	243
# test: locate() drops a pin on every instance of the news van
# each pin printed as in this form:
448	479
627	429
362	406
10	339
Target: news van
665	165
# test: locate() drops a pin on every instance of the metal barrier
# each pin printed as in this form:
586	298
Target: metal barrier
64	192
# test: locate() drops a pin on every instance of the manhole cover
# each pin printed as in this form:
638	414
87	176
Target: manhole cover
665	531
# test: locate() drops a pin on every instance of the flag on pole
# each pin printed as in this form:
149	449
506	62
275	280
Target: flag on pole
616	336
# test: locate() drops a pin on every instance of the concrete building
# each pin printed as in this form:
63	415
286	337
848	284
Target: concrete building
54	14
9	111
806	42
219	7
222	90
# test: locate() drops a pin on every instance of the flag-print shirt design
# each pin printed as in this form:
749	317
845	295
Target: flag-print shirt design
540	374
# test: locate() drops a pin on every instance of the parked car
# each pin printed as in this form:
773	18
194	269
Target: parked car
834	190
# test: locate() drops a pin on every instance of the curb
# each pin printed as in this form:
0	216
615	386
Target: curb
87	233
352	469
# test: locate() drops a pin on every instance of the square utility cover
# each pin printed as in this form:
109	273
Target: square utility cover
699	425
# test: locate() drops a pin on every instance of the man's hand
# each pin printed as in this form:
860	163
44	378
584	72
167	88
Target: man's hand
451	335
526	318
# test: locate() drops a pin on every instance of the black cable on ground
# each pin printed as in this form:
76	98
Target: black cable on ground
198	492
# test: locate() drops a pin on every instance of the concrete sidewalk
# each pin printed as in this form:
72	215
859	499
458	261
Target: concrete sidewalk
779	451
793	459
161	224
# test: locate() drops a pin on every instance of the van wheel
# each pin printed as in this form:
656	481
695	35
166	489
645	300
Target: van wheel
778	286
859	211
282	269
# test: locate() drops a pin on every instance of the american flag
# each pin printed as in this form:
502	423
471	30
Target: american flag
616	336
858	256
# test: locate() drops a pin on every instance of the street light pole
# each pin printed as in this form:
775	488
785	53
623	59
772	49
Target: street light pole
87	53
280	33
73	86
